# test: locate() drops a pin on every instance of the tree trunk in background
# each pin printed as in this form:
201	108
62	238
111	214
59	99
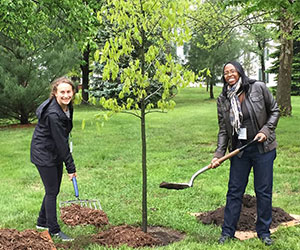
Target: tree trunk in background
85	74
262	46
210	83
283	93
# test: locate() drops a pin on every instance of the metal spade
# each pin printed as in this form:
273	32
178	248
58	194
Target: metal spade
178	186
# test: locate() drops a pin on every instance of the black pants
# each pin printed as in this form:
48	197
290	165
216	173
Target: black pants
51	177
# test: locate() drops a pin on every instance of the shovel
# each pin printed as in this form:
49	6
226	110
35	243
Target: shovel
170	185
94	204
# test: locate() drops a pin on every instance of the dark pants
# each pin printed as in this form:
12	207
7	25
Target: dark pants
51	177
263	183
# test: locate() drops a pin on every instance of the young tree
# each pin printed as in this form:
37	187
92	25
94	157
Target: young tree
143	32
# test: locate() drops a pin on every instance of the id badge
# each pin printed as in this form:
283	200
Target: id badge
242	134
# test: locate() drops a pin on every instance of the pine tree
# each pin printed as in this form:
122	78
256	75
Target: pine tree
295	86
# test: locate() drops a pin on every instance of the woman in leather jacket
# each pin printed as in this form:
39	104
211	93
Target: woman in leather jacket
247	111
50	149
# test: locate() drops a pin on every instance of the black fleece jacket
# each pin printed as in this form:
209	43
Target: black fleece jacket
49	145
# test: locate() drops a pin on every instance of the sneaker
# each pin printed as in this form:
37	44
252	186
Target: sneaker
225	238
41	227
267	240
60	235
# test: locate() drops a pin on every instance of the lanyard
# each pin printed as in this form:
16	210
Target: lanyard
71	143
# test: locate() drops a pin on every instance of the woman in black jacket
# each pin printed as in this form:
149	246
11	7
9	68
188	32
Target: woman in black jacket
247	111
50	149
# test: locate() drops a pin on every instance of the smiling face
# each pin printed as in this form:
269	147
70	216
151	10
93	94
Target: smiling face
230	74
64	94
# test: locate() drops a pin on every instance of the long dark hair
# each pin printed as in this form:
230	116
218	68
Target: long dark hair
245	79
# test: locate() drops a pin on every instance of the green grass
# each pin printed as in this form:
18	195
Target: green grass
179	143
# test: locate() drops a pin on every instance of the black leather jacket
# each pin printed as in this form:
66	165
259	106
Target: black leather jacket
264	114
49	145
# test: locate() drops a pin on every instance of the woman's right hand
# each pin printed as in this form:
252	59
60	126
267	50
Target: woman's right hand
72	175
215	162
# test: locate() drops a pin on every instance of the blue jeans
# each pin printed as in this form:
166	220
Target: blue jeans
240	168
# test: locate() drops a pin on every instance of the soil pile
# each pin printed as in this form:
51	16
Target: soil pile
76	215
248	215
135	237
11	239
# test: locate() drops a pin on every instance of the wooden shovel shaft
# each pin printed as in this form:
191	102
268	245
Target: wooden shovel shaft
222	159
235	152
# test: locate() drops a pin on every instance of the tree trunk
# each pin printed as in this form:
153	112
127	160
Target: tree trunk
262	46
143	133
85	68
283	93
144	167
211	87
24	119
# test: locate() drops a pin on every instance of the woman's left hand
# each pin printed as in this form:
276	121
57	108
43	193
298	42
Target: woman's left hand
72	175
261	137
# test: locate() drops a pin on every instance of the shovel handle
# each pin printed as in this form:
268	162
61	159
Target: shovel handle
238	150
74	180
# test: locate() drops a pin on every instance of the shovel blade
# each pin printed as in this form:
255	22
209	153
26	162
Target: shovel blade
177	186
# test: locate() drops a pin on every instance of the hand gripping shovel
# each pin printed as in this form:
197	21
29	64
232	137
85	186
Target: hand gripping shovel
170	185
94	204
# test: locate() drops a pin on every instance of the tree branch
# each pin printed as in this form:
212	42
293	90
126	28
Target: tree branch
130	113
155	111
152	94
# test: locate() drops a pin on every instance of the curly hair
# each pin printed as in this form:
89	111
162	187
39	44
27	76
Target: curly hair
58	81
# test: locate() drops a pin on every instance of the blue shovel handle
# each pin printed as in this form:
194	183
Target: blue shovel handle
75	187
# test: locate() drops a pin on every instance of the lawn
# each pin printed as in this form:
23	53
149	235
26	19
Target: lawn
108	160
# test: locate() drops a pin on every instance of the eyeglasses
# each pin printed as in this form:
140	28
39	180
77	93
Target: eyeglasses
226	73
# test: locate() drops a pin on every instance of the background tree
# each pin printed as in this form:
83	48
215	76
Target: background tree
295	85
260	35
31	56
213	58
31	32
286	14
143	32
215	39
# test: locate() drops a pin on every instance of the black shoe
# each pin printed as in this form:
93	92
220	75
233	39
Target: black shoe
224	238
267	240
41	227
60	235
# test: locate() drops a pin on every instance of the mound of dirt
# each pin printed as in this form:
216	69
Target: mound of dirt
135	237
76	215
11	239
248	215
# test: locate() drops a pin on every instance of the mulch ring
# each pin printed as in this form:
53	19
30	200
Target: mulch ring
11	239
248	215
132	236
76	215
111	236
17	126
114	236
135	237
